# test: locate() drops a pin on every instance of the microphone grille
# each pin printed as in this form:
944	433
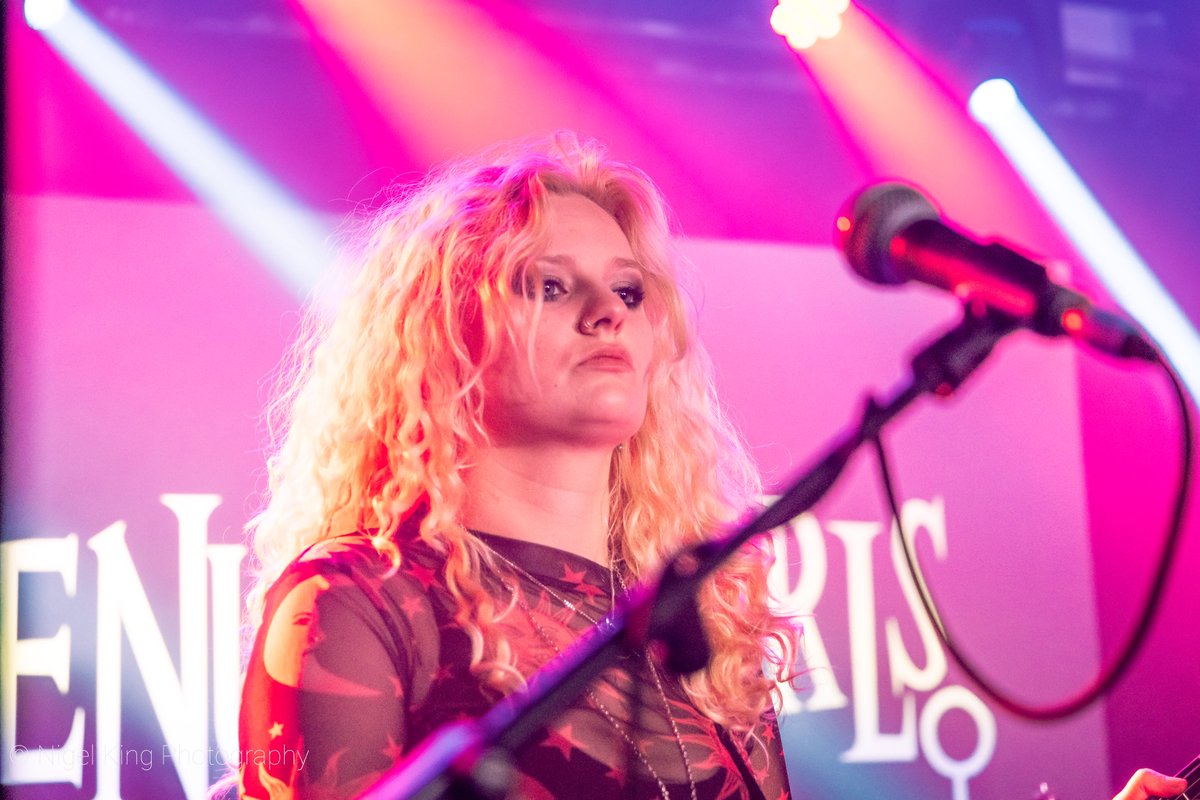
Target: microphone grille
869	222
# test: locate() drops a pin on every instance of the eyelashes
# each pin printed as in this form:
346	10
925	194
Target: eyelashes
553	290
632	294
546	289
550	289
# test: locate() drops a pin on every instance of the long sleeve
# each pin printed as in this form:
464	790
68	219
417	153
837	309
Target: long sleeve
766	761
324	700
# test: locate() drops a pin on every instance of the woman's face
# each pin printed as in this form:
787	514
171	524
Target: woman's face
592	346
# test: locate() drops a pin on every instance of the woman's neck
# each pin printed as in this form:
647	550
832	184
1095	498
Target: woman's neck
555	497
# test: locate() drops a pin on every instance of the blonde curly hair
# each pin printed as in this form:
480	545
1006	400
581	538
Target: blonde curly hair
381	409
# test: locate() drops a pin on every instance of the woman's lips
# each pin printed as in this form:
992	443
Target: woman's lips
609	357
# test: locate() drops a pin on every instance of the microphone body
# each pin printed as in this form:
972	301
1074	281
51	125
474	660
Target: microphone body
892	234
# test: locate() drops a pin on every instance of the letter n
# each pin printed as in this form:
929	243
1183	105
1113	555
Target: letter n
179	699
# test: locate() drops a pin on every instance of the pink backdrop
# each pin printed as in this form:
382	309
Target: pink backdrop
141	338
799	342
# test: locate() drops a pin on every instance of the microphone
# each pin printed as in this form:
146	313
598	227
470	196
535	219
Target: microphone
890	234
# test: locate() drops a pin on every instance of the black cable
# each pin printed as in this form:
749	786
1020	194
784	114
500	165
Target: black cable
1108	677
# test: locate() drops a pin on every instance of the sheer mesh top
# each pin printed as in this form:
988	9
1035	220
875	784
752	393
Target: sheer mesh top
352	668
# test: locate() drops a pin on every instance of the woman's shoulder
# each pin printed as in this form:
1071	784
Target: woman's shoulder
357	558
347	581
356	549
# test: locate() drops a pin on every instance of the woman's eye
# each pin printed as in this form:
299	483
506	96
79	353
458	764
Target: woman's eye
552	289
631	295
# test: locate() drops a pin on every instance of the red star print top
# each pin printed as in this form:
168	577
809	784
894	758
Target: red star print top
352	668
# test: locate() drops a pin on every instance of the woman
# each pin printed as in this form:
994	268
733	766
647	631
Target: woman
507	422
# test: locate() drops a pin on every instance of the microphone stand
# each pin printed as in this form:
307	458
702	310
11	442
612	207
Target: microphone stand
472	759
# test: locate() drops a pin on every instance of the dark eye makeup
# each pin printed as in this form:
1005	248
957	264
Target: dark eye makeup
551	289
632	294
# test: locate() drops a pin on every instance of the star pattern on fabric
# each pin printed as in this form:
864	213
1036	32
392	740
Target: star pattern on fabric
572	577
392	750
588	589
563	739
424	575
617	776
413	605
340	759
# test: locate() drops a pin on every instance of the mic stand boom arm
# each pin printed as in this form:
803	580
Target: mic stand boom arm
472	759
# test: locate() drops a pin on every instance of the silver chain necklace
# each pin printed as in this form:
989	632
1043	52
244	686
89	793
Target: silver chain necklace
595	701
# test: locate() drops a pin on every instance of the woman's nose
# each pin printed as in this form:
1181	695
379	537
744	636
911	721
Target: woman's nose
603	308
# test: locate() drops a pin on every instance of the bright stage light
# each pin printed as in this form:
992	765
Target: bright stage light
286	237
45	14
804	22
991	99
1088	226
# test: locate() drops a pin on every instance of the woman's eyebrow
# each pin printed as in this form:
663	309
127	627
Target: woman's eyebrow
555	259
618	263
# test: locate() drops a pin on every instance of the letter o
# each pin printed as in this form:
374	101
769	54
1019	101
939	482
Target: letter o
959	772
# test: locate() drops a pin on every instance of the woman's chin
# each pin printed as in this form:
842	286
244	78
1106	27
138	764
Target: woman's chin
611	429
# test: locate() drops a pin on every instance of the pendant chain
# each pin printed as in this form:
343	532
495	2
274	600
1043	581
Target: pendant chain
658	684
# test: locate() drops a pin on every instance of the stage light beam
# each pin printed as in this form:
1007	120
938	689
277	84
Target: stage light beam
997	107
805	22
42	15
288	238
992	99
